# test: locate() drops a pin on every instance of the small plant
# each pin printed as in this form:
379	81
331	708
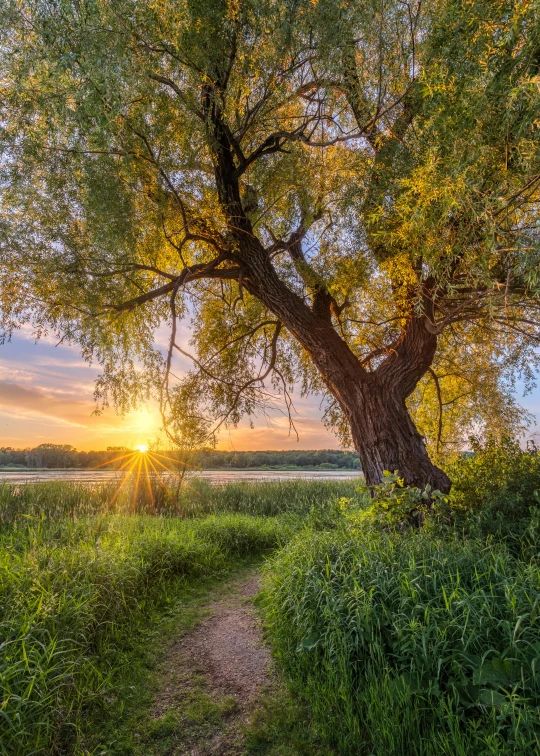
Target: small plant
393	504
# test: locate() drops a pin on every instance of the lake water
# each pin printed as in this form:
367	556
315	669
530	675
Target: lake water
212	476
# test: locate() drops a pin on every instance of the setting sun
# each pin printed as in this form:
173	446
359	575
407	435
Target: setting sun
142	448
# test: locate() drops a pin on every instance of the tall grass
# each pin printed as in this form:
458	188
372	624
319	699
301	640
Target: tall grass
56	500
80	572
410	644
417	643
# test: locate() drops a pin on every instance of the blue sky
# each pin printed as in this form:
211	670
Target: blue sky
46	395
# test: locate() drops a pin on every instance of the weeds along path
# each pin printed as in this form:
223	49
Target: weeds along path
212	679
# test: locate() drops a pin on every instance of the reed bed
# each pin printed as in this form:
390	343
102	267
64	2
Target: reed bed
56	500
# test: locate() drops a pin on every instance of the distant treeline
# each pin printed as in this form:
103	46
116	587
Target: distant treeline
326	458
64	455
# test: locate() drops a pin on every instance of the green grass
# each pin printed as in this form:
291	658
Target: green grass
410	644
56	500
406	643
68	594
189	711
83	578
283	725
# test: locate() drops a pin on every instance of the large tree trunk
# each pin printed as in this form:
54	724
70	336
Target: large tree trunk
373	402
386	438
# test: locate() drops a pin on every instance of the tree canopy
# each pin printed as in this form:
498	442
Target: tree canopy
340	196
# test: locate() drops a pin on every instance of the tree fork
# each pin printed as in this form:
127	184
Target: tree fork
382	430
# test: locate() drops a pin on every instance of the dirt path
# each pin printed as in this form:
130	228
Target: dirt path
212	678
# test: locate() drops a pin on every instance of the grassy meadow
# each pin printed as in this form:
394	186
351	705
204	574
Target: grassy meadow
392	640
84	571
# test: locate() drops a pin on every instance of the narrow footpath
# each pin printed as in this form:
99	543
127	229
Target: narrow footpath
212	679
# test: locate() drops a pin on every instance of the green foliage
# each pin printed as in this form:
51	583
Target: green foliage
203	459
409	644
496	491
392	504
154	152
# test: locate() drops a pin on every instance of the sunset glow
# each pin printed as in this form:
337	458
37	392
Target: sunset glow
142	448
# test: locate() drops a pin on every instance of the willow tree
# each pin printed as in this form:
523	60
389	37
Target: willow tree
329	190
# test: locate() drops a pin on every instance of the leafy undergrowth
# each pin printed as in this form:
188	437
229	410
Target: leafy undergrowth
392	640
496	494
88	582
419	641
410	643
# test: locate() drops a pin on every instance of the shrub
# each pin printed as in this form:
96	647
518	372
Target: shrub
392	505
496	491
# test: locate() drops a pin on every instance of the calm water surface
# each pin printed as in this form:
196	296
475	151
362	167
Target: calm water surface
213	476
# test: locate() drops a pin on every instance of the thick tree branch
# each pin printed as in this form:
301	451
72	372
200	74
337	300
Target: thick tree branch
193	273
413	352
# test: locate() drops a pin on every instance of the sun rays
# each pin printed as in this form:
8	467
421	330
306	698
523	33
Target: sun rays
139	468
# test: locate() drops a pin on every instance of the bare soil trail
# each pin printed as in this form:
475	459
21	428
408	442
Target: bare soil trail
212	679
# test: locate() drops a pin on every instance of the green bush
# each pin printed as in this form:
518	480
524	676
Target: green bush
410	644
496	491
391	504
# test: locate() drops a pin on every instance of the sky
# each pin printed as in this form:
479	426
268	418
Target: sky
46	395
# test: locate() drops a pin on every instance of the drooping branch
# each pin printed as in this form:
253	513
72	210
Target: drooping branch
440	403
168	361
258	379
238	389
176	89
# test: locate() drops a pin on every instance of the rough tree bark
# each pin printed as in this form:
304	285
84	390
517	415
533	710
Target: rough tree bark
386	438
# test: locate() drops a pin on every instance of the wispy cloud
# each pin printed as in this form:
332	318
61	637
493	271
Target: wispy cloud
61	407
